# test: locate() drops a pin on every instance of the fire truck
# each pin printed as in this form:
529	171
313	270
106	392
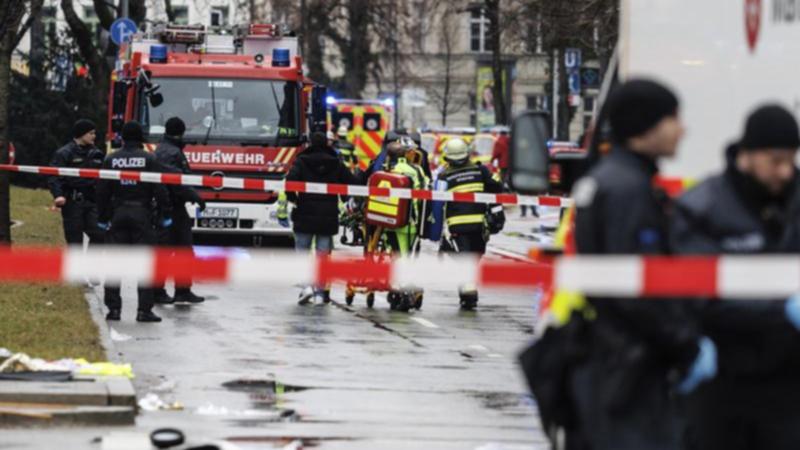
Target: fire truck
243	97
367	122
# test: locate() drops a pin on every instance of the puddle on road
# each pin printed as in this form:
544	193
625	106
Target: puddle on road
505	402
265	395
283	442
262	385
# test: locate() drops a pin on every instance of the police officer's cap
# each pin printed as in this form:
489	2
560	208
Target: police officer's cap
771	127
175	126
132	132
637	106
82	127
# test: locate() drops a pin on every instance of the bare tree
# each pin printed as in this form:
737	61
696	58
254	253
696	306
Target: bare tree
555	25
446	96
12	28
493	13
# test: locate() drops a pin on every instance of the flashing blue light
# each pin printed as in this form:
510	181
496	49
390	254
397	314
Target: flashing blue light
330	100
388	102
158	53
281	57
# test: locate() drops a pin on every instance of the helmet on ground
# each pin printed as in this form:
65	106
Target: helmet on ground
456	150
342	131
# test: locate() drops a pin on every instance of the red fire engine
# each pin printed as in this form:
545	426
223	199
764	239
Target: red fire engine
243	97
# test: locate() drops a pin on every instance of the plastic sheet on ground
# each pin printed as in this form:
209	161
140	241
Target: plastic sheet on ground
20	362
152	402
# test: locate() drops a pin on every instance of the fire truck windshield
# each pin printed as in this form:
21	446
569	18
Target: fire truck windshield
226	110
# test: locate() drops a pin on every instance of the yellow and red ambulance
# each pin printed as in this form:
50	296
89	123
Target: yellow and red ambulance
367	122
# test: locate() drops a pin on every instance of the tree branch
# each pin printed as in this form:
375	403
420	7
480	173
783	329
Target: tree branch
104	13
36	9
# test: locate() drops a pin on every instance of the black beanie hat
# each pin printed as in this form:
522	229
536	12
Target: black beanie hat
175	127
82	127
319	139
132	132
637	106
771	126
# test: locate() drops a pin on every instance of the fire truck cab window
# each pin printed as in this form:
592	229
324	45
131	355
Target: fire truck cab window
245	111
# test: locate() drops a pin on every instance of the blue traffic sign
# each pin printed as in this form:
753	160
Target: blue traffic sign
574	82
572	58
122	30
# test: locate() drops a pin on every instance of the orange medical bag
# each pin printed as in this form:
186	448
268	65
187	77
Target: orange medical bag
388	212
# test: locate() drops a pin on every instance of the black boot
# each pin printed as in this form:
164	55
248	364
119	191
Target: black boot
468	301
147	316
113	314
160	297
188	298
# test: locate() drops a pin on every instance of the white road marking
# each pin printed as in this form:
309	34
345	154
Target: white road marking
425	322
480	348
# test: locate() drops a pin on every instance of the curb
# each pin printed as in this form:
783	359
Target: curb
98	316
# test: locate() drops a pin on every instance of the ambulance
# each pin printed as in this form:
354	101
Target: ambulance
367	122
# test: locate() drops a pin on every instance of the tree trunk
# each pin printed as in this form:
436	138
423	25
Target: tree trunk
5	78
498	91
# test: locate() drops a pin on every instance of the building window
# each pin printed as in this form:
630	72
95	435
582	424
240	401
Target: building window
219	16
181	14
49	21
91	20
479	30
536	102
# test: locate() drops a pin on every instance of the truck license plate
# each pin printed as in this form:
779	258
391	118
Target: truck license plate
218	213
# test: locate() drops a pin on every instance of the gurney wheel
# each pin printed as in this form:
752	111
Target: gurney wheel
370	300
349	298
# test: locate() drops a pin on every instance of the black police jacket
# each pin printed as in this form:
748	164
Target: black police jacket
75	156
619	211
113	194
169	153
731	214
317	213
458	177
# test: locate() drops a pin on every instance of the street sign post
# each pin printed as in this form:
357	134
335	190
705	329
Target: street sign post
122	30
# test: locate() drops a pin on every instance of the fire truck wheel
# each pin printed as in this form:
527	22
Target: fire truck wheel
370	300
349	298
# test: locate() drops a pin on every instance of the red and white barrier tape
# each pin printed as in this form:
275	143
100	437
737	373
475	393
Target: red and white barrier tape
729	277
255	184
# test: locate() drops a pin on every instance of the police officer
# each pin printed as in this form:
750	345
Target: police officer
466	222
638	353
76	196
753	207
170	154
125	212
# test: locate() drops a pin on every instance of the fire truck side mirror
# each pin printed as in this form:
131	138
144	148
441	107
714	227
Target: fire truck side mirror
529	154
319	113
156	100
119	101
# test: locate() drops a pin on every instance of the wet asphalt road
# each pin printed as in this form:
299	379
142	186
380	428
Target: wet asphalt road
253	368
